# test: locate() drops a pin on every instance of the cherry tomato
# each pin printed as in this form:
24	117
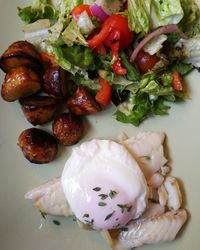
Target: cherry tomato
78	10
114	28
146	61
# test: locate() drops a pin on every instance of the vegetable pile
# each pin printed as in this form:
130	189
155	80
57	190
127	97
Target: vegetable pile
133	54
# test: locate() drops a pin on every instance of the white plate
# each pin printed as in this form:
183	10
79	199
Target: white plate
20	222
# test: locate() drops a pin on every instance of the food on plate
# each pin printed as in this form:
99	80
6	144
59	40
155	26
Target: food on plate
38	146
20	82
67	129
108	186
154	230
20	53
55	82
38	110
133	54
82	102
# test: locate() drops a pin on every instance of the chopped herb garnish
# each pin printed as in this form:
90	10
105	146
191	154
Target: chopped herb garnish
102	204
109	216
122	207
124	229
86	216
43	214
97	189
103	196
57	223
129	208
112	193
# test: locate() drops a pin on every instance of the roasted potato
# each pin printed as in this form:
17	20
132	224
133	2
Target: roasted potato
38	110
20	82
38	146
21	53
68	129
82	103
55	82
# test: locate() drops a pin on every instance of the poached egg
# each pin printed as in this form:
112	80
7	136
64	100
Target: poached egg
104	184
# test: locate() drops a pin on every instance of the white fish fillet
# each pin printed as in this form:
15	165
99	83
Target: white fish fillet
154	230
147	149
49	198
153	210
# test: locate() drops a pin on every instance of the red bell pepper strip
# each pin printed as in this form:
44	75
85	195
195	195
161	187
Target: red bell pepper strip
99	38
103	96
116	66
100	50
177	81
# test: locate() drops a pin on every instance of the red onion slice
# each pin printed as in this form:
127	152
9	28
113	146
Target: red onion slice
99	12
171	28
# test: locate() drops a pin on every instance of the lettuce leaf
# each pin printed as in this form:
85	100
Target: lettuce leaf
190	22
80	56
144	15
73	35
148	98
40	9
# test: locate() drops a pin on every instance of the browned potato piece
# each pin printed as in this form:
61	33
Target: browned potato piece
21	53
82	103
20	82
38	146
38	110
55	82
68	129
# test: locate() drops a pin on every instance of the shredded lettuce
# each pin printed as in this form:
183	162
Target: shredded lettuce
72	35
40	9
148	98
144	15
190	22
80	56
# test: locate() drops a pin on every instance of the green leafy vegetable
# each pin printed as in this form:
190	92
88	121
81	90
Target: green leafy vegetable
190	22
40	9
148	98
83	80
144	15
182	68
80	56
72	35
132	73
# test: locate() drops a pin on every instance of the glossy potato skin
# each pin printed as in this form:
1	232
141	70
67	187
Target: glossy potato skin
67	129
20	82
20	53
38	110
82	103
38	146
55	82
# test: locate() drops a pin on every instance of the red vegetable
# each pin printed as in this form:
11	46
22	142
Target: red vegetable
116	66
78	10
177	81
146	61
116	23
100	49
103	97
163	30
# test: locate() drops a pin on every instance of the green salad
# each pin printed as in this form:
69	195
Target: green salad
132	54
